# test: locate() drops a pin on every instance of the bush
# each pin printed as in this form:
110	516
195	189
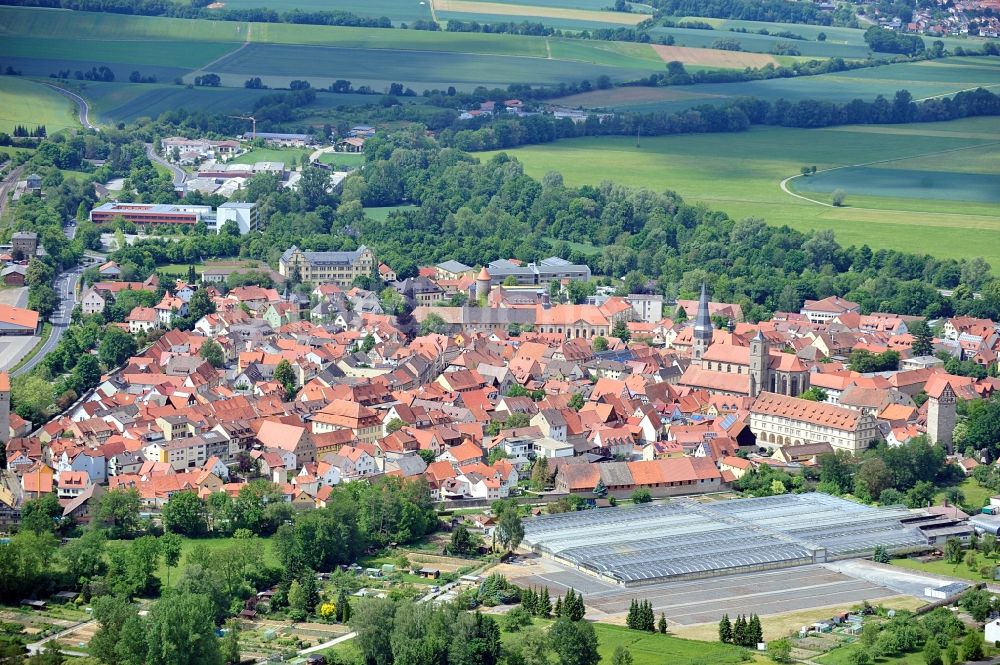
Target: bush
516	619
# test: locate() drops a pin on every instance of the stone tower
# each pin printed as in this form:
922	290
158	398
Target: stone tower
702	327
941	414
760	356
483	281
4	407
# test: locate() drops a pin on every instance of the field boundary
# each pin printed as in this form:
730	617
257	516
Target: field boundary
204	68
784	183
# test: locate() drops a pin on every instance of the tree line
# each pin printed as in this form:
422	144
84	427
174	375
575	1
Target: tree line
737	116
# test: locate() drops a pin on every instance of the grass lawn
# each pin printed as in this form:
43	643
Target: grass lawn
273	155
740	174
656	649
270	555
348	159
842	656
976	496
29	103
960	571
382	214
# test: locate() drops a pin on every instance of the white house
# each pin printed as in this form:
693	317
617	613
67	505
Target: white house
992	631
89	462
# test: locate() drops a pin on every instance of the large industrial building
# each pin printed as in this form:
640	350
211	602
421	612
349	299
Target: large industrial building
687	539
158	214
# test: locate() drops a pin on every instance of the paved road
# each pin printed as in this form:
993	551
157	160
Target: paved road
179	175
65	286
81	104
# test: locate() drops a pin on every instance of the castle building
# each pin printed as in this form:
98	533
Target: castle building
340	268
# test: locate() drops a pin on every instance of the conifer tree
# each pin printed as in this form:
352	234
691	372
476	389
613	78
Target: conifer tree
740	631
558	611
545	604
663	624
755	632
725	629
528	600
633	608
649	618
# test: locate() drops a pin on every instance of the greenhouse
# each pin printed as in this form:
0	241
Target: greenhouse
684	538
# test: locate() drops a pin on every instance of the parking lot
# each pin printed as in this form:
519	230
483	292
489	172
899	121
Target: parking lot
706	600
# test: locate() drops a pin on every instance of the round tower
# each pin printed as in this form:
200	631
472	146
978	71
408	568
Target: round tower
483	282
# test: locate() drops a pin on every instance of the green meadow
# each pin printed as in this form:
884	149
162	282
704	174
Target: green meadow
29	103
740	174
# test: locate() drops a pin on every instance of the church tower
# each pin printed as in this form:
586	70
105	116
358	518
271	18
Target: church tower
760	356
702	327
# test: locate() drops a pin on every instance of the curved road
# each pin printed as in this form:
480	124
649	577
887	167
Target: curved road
81	103
178	173
65	286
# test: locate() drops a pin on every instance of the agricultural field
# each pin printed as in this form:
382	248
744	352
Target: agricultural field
26	102
741	173
923	79
378	67
126	102
714	57
399	11
846	43
517	12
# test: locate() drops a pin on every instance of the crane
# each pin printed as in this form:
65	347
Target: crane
251	119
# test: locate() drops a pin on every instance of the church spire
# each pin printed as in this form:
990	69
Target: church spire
702	326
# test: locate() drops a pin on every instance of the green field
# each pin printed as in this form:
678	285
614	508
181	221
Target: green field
646	648
377	67
26	102
960	571
399	11
847	43
128	101
35	41
270	555
273	155
923	79
349	159
382	213
740	174
656	649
